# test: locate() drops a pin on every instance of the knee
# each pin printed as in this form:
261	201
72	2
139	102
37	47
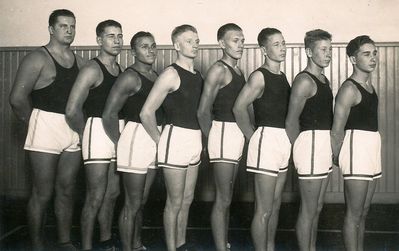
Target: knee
173	205
223	201
319	208
64	191
113	194
94	200
42	197
187	200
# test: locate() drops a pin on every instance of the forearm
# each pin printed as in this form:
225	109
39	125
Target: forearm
337	137
292	130
149	123
111	127
243	120
205	122
22	109
76	121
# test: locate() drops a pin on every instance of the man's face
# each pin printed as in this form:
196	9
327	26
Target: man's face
187	44
145	50
275	47
233	43
63	30
111	40
366	58
321	53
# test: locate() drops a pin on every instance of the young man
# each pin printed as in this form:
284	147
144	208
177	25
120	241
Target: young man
179	146
39	96
308	125
225	140
356	139
136	150
269	147
89	95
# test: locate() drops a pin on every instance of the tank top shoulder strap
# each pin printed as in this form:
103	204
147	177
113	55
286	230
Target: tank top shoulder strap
231	68
315	78
56	62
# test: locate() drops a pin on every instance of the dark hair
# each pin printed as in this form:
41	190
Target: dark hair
265	33
107	23
225	28
313	36
181	29
59	13
138	35
355	44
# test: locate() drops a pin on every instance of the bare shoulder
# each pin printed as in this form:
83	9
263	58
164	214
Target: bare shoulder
91	72
38	58
216	72
304	84
80	60
348	89
130	79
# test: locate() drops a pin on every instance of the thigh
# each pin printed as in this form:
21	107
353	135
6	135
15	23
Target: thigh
96	175
310	193
175	180
355	194
149	180
224	174
134	186
264	190
68	167
280	184
190	182
43	166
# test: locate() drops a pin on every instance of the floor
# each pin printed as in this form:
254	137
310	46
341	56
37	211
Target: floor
382	227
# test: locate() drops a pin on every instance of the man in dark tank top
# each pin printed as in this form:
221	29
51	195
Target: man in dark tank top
178	90
215	114
38	97
136	150
355	138
87	98
308	126
269	149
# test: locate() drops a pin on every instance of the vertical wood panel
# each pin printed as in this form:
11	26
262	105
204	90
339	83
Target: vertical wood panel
14	167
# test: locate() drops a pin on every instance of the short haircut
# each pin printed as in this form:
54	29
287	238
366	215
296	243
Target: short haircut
225	28
354	45
313	36
181	29
59	13
107	23
265	33
138	35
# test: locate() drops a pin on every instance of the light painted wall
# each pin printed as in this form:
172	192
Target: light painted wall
24	22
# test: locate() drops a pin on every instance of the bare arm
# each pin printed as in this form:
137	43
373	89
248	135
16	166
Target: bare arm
251	91
88	77
127	84
167	82
302	89
213	82
346	98
28	73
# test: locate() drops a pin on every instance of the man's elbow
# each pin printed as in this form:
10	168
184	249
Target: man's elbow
236	110
69	113
144	114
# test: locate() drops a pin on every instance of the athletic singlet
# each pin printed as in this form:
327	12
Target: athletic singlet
317	113
272	107
95	102
135	102
227	95
54	97
181	105
364	116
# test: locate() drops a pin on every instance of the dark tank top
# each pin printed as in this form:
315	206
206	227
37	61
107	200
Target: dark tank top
227	95
181	105
134	103
95	102
54	97
364	116
272	107
317	113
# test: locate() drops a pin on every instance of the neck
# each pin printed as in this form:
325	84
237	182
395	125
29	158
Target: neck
272	66
185	62
142	67
314	68
360	76
57	46
107	59
229	60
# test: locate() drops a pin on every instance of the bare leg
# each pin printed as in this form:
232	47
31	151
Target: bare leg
43	178
150	177
182	219
106	213
224	174
264	197
310	191
369	197
134	188
96	184
175	180
273	221
68	167
315	224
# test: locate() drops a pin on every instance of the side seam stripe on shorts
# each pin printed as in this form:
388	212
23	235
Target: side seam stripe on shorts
34	127
259	148
351	153
131	144
312	154
168	143
221	140
89	145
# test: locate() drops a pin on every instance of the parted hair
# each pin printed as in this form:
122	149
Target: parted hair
225	28
138	35
313	36
265	33
181	29
107	23
354	45
59	13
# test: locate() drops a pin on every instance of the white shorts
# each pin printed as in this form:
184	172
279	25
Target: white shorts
179	147
360	156
49	132
136	151
225	142
312	154
269	151
97	147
